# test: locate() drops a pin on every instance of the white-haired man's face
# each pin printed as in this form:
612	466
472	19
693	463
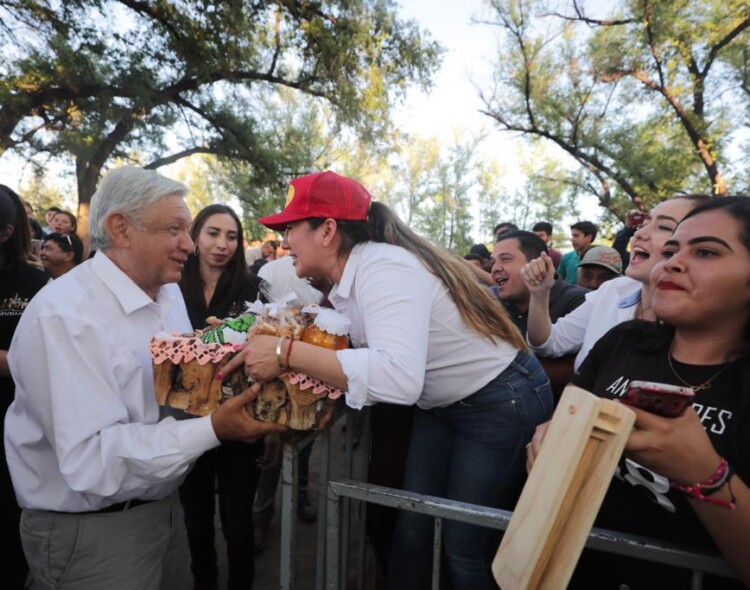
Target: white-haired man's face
158	244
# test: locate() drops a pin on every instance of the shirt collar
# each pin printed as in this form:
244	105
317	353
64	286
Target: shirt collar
630	300
130	295
343	289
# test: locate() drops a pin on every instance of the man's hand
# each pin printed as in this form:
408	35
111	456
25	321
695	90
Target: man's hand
233	419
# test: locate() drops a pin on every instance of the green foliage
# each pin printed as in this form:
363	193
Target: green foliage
646	97
152	82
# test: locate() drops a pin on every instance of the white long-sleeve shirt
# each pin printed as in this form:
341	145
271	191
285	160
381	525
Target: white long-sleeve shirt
611	304
411	345
84	430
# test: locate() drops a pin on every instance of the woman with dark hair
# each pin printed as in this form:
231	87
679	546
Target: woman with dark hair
19	282
425	333
215	282
619	300
683	480
64	222
61	253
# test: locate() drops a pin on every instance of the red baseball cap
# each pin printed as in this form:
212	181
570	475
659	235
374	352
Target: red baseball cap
325	194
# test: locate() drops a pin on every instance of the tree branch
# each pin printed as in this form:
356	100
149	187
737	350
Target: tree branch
714	51
582	18
698	141
171	159
585	159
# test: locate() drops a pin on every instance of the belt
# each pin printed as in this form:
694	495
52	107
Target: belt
119	507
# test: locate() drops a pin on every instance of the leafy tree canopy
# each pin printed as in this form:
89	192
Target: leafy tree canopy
155	81
645	98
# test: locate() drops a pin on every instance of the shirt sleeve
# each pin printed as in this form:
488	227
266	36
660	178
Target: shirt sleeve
562	269
394	299
86	393
567	333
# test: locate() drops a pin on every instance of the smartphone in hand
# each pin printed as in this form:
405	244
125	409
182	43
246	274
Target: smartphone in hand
659	398
635	219
36	247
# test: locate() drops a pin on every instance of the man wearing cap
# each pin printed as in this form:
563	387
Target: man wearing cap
582	234
599	265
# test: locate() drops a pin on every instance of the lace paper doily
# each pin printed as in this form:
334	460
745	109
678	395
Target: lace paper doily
184	350
306	382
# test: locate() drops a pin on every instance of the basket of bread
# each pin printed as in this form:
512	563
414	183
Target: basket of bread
185	366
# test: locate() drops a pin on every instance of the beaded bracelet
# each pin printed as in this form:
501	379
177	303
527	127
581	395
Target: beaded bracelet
279	360
289	353
704	490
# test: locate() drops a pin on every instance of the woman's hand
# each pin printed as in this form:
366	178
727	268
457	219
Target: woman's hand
533	448
539	274
35	261
677	448
258	358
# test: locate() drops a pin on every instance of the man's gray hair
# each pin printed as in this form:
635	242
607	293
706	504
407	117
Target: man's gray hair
129	191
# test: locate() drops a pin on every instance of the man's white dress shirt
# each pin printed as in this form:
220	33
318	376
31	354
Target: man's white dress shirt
84	430
410	343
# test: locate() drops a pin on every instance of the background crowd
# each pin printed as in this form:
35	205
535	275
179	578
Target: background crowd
478	349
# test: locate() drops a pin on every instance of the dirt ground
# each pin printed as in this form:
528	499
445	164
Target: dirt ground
267	562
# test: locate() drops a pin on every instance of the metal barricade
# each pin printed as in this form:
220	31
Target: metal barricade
292	446
335	521
440	508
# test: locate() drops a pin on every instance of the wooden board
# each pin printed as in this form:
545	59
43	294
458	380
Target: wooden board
563	493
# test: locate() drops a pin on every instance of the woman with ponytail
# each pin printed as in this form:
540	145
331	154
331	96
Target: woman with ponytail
423	332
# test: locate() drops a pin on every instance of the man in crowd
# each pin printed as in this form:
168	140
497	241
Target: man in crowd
61	253
582	234
504	227
511	252
599	265
544	230
93	467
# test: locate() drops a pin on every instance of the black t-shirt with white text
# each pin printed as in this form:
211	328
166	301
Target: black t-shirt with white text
640	501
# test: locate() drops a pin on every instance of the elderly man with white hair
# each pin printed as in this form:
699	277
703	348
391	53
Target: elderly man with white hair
93	466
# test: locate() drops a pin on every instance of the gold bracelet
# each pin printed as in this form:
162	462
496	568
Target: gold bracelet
279	360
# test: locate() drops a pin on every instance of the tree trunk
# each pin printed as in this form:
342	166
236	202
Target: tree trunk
87	179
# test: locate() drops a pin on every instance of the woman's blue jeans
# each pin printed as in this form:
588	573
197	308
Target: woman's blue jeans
471	451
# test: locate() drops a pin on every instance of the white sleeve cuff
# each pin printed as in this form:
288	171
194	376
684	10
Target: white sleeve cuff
197	435
354	364
544	347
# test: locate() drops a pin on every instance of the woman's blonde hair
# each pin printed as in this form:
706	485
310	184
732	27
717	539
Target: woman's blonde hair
478	309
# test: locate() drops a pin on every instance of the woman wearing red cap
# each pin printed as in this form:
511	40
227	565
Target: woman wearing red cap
425	333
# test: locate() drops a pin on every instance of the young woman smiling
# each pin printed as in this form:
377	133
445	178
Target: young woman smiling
616	301
215	282
683	480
